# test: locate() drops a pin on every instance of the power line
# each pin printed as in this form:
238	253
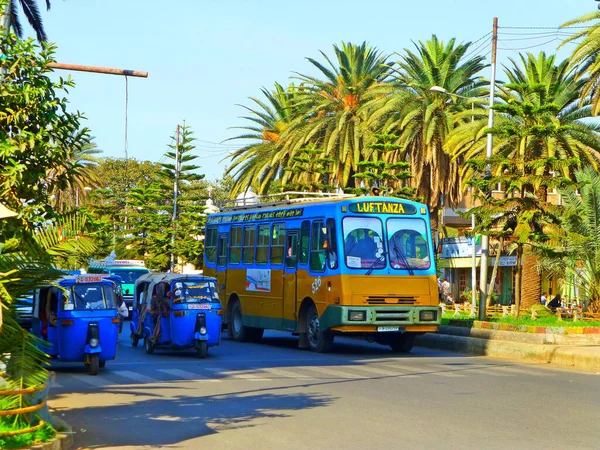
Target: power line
542	28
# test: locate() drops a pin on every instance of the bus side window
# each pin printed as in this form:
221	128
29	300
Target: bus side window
317	246
222	250
235	250
262	245
304	242
277	243
248	248
210	245
332	259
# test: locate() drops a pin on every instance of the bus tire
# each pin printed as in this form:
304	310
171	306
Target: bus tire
254	334
319	341
235	328
403	343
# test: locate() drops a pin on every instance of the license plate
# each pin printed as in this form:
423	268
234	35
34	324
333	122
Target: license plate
388	328
198	306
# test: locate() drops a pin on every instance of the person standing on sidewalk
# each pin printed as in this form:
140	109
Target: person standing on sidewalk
446	289
543	299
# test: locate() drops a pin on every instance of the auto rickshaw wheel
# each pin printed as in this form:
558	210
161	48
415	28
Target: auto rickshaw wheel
135	339
148	345
94	365
202	349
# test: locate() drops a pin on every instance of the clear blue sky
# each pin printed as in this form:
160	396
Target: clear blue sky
204	57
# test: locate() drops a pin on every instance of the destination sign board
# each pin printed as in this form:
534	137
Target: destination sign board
382	207
260	215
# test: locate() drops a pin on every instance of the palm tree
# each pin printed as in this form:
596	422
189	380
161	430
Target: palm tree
422	118
540	94
576	253
332	114
586	57
539	127
10	17
261	161
72	180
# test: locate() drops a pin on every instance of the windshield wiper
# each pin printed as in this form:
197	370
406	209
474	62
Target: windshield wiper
402	257
380	259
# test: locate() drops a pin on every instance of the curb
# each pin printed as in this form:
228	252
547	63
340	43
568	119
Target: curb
585	358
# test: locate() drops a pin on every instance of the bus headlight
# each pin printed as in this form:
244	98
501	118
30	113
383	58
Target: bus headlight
427	316
357	316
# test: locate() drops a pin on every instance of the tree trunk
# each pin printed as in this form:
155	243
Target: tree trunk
494	272
532	290
518	276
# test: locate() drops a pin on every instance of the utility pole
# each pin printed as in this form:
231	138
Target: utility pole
175	192
485	240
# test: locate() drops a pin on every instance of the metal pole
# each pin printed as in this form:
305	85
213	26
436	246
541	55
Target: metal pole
473	269
175	186
485	241
94	69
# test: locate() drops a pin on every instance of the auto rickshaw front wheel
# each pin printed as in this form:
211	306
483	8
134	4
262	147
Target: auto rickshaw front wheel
134	340
202	349
148	345
94	364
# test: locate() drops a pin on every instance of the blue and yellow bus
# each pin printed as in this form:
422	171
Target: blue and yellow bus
324	267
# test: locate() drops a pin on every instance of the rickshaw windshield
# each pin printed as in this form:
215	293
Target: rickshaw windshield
194	291
90	297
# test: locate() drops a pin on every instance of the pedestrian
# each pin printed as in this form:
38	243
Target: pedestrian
449	299
543	298
555	302
446	289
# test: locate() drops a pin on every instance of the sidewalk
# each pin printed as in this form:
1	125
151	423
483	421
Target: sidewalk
581	357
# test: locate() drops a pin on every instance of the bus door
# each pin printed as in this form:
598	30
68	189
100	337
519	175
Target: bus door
222	246
290	282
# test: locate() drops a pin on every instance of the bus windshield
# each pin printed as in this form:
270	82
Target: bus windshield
363	243
128	276
407	243
194	291
90	296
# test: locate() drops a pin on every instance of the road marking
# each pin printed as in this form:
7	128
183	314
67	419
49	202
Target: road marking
488	372
238	375
418	371
184	375
378	371
135	376
93	380
538	373
333	372
283	373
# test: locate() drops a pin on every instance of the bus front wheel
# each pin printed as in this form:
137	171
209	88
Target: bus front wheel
319	341
403	343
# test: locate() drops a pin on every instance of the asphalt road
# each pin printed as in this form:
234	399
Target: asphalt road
274	396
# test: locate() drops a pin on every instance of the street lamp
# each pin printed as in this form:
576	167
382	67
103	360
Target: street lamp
442	90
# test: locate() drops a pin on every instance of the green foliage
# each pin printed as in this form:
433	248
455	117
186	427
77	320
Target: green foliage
382	172
573	250
309	171
38	135
26	440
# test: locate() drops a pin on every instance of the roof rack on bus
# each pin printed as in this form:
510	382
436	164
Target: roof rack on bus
254	201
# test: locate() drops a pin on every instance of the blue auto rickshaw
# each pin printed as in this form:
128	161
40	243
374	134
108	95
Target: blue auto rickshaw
176	311
78	319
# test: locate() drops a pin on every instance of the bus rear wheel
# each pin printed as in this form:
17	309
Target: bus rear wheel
403	343
236	329
319	341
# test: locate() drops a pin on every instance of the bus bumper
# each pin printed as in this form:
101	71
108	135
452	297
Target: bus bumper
381	318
